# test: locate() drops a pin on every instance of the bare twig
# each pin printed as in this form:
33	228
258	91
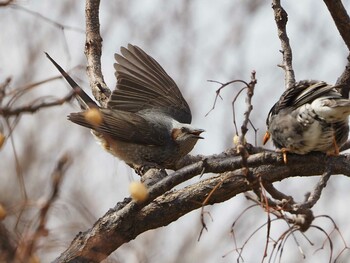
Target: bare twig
223	85
3	87
315	195
204	203
19	172
5	3
250	93
29	241
93	51
281	18
335	229
46	19
31	108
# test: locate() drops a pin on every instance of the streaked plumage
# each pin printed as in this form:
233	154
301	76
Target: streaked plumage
310	116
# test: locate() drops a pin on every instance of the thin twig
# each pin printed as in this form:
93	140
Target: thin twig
93	52
316	193
29	241
281	18
223	85
7	112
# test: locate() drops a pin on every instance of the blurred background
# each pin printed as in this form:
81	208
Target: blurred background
194	41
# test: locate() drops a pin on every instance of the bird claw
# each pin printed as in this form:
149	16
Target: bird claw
284	152
142	169
335	151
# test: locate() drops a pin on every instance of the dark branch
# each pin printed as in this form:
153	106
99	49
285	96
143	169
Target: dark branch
342	22
7	111
127	220
341	19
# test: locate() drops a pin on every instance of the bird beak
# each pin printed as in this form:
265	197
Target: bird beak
196	133
266	137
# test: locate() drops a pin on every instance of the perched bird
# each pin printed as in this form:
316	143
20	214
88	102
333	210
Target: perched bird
311	116
147	120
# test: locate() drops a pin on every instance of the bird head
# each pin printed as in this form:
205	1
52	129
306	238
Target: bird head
185	132
185	136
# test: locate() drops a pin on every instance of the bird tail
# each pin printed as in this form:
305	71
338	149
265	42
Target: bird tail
84	100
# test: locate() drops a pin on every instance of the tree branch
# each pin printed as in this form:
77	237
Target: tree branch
93	51
342	22
129	219
281	18
341	19
29	242
33	107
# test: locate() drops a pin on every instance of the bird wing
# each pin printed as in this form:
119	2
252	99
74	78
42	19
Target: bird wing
304	92
124	126
142	84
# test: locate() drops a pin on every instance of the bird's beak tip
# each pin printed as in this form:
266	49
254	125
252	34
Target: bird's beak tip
266	137
197	133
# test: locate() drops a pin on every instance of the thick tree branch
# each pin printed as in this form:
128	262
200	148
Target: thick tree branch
93	51
281	18
129	219
341	19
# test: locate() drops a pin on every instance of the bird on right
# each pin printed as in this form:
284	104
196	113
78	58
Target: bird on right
311	116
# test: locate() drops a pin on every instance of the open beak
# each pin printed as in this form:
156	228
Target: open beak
266	137
196	133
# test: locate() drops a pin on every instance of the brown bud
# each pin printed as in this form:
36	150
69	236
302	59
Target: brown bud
93	116
138	191
3	212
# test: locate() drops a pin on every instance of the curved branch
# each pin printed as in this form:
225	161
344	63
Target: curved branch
128	219
341	19
342	22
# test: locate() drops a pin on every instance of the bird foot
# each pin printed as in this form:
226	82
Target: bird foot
335	150
142	169
284	152
153	176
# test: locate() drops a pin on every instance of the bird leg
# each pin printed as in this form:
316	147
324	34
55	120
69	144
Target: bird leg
142	169
335	150
284	152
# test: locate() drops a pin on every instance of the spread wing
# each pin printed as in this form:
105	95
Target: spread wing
142	84
124	126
